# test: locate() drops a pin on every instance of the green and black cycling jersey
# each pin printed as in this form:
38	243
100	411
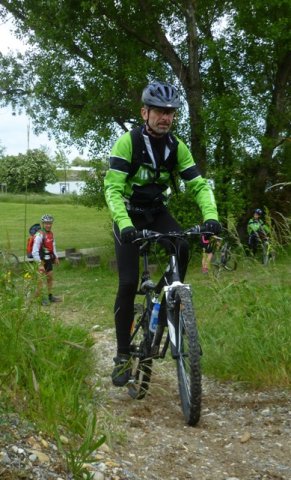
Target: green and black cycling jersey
256	226
145	184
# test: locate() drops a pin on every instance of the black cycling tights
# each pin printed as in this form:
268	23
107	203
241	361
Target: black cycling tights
127	256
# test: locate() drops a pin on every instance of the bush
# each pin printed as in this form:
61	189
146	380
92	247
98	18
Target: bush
27	172
185	210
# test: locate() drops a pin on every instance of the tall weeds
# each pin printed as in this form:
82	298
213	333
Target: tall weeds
246	332
45	364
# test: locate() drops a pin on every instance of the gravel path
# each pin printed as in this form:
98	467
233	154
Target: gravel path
242	435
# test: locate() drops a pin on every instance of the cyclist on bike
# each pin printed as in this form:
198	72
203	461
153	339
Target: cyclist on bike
136	187
44	252
257	230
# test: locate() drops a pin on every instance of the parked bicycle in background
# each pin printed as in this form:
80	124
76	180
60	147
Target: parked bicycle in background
8	260
223	258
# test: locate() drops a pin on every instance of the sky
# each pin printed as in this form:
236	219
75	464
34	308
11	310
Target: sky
14	128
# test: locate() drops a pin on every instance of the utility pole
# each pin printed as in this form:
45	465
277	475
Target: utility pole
28	133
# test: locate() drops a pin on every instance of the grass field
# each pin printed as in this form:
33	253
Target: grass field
244	316
75	226
46	355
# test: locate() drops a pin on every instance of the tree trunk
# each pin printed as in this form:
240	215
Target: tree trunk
193	88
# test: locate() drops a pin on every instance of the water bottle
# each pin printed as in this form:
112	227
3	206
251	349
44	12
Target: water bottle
154	315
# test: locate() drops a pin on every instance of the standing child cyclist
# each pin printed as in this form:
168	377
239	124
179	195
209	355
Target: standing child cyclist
44	252
143	163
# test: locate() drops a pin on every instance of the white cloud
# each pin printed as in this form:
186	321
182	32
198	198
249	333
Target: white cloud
14	128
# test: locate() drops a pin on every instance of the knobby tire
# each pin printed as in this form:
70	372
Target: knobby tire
229	264
188	356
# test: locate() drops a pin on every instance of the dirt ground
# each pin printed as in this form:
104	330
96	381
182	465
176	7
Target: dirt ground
242	435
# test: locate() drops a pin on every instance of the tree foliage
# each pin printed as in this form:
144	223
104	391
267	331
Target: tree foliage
87	63
93	193
27	172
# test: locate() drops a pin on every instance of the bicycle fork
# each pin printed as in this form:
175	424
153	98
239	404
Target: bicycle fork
173	326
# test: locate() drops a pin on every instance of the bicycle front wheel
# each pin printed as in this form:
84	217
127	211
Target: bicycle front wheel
140	348
188	357
266	252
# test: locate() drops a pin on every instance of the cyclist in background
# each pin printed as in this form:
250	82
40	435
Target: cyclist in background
44	252
139	201
257	230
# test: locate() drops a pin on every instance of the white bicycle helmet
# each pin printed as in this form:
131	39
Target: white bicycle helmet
47	218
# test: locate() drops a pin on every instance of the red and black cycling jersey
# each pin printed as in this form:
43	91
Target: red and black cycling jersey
44	245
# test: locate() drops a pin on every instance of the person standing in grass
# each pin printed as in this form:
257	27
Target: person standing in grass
45	254
143	164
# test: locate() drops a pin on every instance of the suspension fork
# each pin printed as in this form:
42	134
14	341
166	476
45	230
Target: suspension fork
173	325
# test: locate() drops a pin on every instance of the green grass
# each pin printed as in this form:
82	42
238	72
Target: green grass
75	226
46	370
45	357
42	360
246	329
38	198
244	316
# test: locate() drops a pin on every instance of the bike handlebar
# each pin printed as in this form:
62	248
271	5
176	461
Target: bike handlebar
152	235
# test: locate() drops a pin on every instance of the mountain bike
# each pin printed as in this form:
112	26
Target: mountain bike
178	331
223	258
8	260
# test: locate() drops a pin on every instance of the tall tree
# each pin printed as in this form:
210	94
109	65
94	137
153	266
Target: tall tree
263	35
92	60
89	61
27	172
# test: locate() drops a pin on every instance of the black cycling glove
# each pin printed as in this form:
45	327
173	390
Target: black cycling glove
212	226
128	234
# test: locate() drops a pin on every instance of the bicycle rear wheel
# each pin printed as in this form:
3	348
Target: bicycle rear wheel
9	261
140	348
272	256
228	261
188	356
